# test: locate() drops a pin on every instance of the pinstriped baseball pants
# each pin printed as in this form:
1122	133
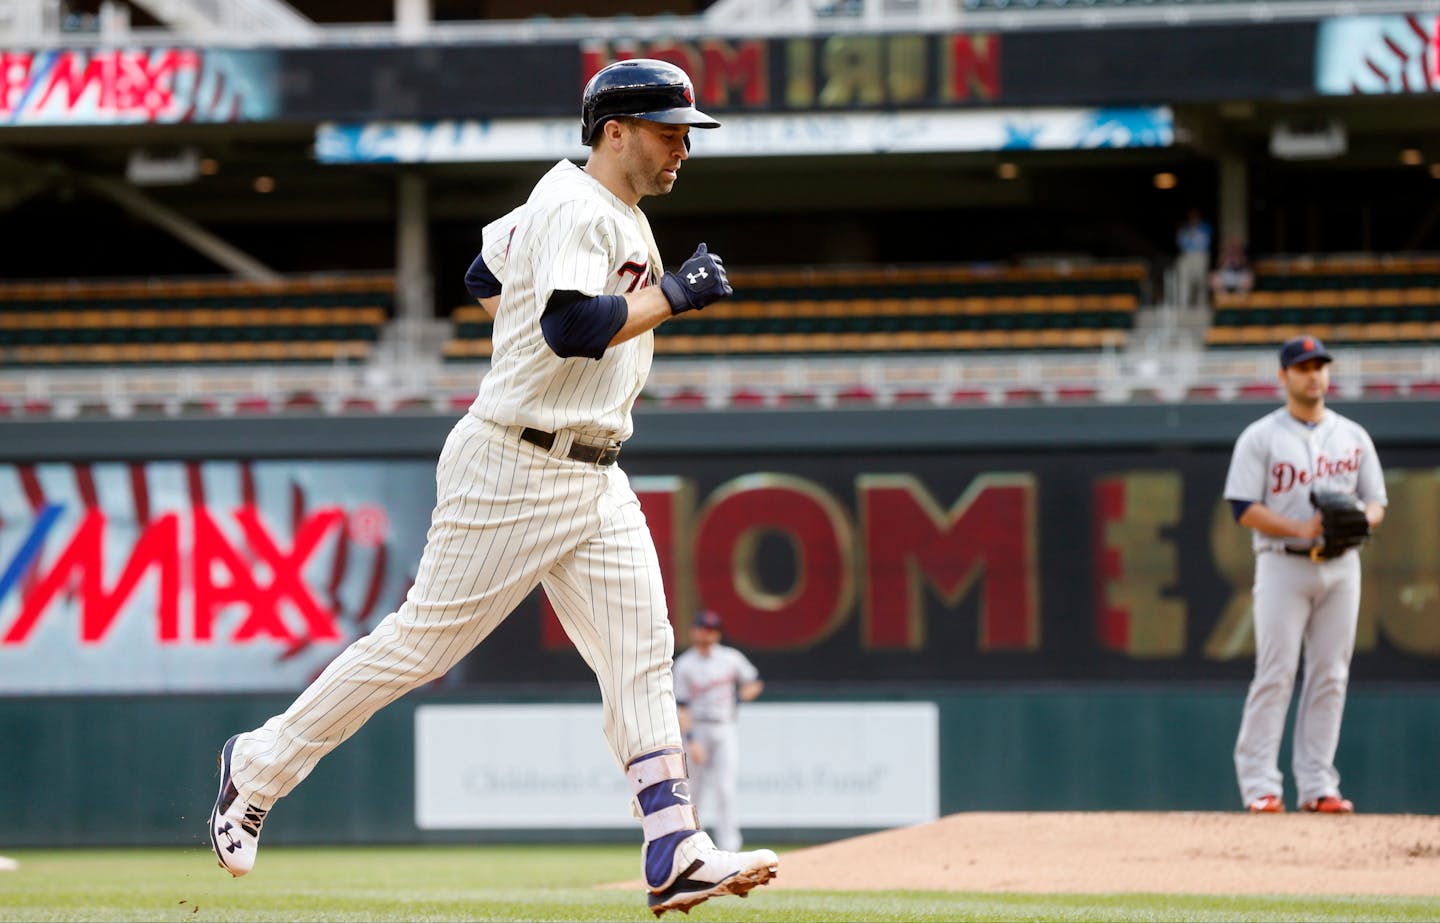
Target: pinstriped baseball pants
508	516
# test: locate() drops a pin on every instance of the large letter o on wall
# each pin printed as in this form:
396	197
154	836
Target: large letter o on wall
728	534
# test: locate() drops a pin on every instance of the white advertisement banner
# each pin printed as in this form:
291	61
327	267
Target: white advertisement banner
510	767
810	133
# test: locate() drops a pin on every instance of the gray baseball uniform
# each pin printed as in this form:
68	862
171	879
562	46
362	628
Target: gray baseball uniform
707	684
1298	602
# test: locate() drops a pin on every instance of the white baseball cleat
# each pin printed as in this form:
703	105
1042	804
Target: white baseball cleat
234	825
710	872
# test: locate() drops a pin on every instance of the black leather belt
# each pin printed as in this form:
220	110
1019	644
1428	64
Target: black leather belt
579	451
1311	553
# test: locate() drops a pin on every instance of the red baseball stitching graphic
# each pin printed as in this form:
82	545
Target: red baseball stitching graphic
1391	60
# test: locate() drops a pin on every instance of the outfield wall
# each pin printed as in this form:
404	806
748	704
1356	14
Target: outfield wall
81	771
1063	583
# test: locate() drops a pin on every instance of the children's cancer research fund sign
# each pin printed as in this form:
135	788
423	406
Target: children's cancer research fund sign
839	764
838	568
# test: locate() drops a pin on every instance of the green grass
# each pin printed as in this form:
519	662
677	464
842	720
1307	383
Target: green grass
512	883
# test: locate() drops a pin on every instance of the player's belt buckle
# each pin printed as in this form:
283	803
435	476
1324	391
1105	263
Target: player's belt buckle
594	454
579	451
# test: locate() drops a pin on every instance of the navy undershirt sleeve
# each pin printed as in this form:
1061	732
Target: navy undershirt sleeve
480	280
1238	508
575	325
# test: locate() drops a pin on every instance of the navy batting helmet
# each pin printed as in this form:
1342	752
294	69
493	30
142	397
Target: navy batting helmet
641	88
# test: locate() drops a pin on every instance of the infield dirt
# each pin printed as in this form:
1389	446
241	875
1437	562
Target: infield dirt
1154	852
1105	852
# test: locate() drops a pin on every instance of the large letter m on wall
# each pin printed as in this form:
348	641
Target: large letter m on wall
988	537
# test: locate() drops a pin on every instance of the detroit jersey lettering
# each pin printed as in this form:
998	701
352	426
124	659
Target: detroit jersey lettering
1278	459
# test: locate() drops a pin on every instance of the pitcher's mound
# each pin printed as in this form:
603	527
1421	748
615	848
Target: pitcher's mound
1170	852
1104	852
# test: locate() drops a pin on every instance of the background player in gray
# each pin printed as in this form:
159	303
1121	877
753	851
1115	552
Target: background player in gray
711	679
529	493
1299	602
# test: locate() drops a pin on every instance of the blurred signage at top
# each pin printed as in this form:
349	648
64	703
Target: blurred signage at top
136	86
1378	54
837	71
819	133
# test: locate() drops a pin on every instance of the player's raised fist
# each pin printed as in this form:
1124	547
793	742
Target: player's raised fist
699	282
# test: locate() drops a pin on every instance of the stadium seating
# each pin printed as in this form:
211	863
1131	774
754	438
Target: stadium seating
470	334
1355	300
164	322
825	311
879	336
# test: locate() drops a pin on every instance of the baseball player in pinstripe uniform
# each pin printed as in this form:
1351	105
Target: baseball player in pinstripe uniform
1303	596
529	493
711	680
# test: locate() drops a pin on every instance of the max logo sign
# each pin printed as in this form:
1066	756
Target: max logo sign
258	576
133	86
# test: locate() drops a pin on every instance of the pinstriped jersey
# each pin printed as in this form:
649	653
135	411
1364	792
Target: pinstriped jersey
495	241
1278	459
572	234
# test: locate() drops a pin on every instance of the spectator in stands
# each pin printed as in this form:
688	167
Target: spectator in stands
1192	267
1233	276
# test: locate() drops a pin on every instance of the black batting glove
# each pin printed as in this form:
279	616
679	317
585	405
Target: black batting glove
699	282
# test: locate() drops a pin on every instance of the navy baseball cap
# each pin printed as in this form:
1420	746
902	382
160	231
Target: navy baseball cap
708	619
1299	349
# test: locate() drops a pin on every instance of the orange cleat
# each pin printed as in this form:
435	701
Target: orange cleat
1267	804
1329	804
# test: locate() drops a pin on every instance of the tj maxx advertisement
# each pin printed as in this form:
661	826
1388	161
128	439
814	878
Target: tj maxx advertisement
251	575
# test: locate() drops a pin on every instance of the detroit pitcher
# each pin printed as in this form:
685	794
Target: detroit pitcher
1301	600
529	492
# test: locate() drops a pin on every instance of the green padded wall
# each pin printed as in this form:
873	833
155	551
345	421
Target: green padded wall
116	771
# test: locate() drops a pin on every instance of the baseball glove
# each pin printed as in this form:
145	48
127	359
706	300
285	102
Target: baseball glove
1342	517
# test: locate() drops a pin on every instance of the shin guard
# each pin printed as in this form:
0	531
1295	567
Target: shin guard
660	782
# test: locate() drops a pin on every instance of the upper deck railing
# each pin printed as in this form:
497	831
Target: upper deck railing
257	23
